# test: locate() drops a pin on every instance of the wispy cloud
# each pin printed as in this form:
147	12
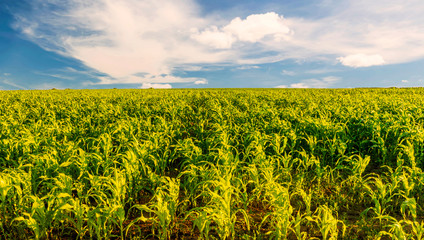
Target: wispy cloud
49	85
321	71
191	68
370	32
12	84
248	67
56	75
155	85
324	82
288	73
150	79
6	80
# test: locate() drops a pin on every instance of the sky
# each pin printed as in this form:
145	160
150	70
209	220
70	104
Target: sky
101	44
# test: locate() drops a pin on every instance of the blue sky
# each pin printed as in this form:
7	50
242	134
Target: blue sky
211	44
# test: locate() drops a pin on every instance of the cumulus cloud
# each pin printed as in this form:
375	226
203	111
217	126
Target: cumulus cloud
362	60
258	26
405	81
214	37
120	38
254	28
302	84
201	81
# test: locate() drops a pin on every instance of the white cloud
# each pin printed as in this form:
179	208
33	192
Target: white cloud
386	28
191	68
155	85
288	73
248	67
253	29
324	82
281	86
405	81
201	81
150	79
390	29
214	37
362	60
299	85
330	79
258	26
121	38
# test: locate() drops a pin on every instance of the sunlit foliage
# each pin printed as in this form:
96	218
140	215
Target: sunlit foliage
212	164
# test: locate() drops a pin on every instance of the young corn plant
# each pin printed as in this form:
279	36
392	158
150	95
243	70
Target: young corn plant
162	210
396	229
381	195
327	223
99	221
307	200
280	217
222	207
220	210
407	228
417	229
202	222
46	213
359	164
296	226
118	189
5	187
79	217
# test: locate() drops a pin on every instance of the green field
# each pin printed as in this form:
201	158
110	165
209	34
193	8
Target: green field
212	164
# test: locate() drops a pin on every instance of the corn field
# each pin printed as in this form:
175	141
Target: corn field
212	164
